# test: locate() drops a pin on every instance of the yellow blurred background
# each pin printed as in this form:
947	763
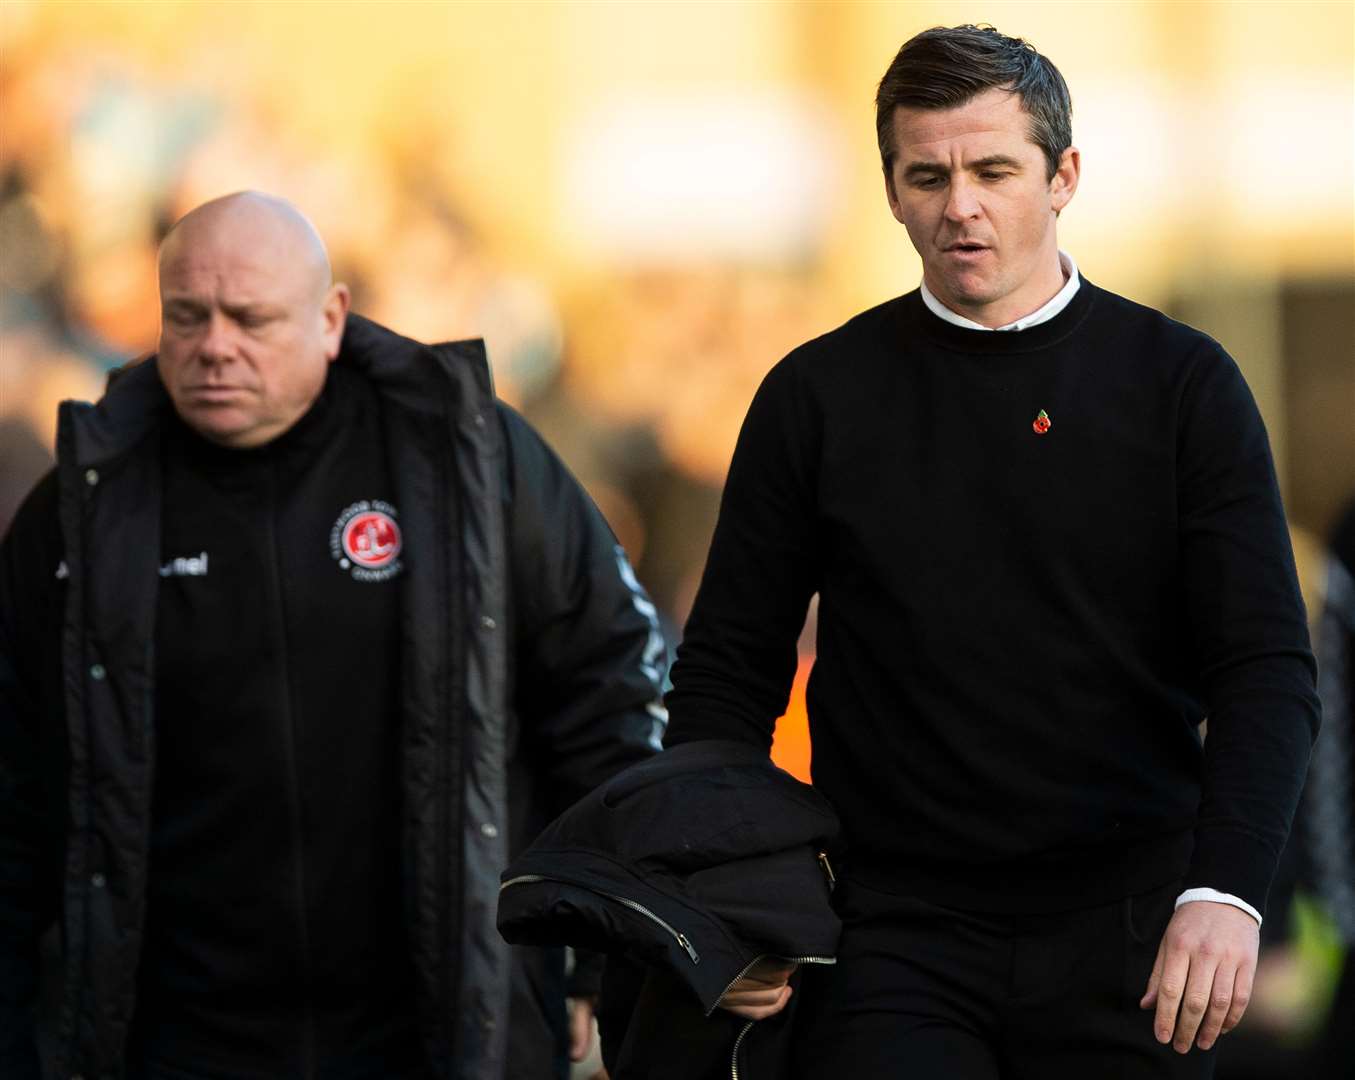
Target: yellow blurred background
642	206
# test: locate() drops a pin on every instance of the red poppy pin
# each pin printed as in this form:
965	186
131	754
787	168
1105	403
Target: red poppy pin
1042	423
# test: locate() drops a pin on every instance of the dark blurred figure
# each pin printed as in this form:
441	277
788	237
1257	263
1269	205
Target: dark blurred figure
1331	793
1281	1039
23	459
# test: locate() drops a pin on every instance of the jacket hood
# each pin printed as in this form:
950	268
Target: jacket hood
136	399
399	364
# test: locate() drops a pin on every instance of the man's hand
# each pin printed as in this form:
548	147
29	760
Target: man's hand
1205	966
580	1027
762	992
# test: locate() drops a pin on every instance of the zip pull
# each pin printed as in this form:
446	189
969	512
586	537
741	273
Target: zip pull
827	868
682	940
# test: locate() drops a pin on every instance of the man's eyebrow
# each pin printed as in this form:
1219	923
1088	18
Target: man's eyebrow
183	303
926	168
258	309
993	160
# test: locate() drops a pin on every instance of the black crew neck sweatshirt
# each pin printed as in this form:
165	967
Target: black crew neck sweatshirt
1021	627
275	930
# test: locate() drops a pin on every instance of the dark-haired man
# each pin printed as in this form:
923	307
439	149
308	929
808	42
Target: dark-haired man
302	637
1044	529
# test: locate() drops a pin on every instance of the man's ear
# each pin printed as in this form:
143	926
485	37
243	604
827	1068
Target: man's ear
891	194
334	313
1064	182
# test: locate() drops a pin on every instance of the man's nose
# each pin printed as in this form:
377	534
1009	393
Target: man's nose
962	202
217	344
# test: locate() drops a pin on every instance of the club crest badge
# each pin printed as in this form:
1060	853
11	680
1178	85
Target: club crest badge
366	541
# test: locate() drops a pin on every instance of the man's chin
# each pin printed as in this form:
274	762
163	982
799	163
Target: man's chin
972	286
967	293
225	427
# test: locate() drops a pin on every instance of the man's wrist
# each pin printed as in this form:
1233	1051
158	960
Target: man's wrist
1216	897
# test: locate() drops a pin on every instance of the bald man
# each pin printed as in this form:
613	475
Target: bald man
301	638
259	263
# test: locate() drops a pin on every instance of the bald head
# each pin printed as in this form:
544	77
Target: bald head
255	221
250	317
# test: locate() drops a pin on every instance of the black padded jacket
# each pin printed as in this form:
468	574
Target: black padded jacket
527	645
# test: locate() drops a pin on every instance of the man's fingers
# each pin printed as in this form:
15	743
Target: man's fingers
1241	995
1208	959
757	1004
753	995
580	1028
769	973
1149	998
1171	987
1195	1002
761	992
1220	1002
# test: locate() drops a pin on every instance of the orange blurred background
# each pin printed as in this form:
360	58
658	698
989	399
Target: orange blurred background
641	207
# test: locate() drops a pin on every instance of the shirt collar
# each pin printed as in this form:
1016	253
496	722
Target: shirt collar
1060	301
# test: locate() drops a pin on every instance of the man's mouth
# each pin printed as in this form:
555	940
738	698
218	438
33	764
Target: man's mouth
967	254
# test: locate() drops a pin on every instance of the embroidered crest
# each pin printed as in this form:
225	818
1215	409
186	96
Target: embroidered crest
366	541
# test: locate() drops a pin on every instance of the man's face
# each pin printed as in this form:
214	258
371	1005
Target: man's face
248	327
972	190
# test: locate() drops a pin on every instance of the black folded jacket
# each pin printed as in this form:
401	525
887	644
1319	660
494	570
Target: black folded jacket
698	861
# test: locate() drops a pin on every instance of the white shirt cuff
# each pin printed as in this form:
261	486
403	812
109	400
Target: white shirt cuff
1214	896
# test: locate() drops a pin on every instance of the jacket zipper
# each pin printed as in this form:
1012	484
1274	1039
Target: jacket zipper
307	1034
734	1057
450	789
673	932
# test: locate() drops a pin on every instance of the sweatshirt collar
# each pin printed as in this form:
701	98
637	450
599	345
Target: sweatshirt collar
1071	283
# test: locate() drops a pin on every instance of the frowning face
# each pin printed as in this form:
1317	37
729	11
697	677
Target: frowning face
974	193
249	325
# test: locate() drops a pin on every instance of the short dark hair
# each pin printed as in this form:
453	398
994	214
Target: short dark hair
944	67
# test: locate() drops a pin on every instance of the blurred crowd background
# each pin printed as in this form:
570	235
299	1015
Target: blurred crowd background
642	206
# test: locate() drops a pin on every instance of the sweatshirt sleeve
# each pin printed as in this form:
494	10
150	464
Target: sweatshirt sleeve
1248	633
737	659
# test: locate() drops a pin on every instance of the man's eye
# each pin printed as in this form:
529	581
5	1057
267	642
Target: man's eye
927	182
994	175
180	317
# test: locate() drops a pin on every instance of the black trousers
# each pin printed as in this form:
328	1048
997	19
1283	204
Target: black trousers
921	992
